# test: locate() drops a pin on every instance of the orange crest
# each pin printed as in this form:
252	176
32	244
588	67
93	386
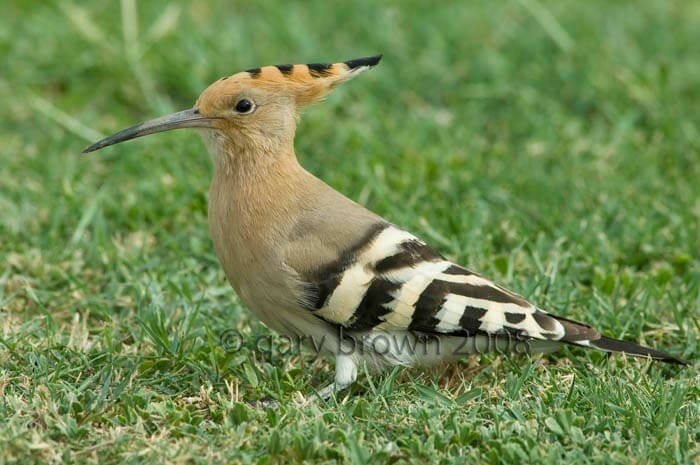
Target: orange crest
306	82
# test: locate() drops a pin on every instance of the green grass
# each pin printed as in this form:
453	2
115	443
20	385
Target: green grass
552	146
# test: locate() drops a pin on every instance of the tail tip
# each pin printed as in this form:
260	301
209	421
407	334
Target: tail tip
630	348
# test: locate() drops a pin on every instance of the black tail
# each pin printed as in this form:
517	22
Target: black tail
616	345
583	335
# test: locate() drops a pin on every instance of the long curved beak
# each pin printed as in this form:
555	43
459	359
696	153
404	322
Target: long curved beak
182	119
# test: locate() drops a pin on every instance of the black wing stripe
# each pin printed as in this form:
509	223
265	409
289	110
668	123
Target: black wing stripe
484	292
515	318
411	253
325	280
348	256
428	305
471	319
457	270
434	296
368	313
321	291
545	321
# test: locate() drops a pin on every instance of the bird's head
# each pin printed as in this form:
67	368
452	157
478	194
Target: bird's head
253	109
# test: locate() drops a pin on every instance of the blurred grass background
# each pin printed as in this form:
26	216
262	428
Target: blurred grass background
550	145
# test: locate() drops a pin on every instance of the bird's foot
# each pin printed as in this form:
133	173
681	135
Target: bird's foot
266	403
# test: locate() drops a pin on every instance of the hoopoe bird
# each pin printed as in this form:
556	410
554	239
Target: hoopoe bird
313	264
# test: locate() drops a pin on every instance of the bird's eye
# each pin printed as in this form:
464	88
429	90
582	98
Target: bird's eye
244	106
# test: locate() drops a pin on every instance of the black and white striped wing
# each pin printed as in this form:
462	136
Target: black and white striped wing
394	281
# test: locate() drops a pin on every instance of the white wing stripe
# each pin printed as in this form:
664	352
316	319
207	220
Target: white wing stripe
386	244
405	302
345	298
450	313
472	279
429	269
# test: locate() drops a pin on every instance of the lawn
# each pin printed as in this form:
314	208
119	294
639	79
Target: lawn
552	145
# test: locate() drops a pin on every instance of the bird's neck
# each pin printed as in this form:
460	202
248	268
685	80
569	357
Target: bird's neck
255	190
253	202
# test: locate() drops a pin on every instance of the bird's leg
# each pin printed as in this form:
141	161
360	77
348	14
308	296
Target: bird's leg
345	375
265	403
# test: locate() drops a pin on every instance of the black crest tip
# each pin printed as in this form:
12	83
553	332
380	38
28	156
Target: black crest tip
254	72
367	61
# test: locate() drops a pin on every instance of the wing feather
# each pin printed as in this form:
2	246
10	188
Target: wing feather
392	281
396	282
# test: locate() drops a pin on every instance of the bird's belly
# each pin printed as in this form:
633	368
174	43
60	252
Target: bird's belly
380	349
258	293
269	297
